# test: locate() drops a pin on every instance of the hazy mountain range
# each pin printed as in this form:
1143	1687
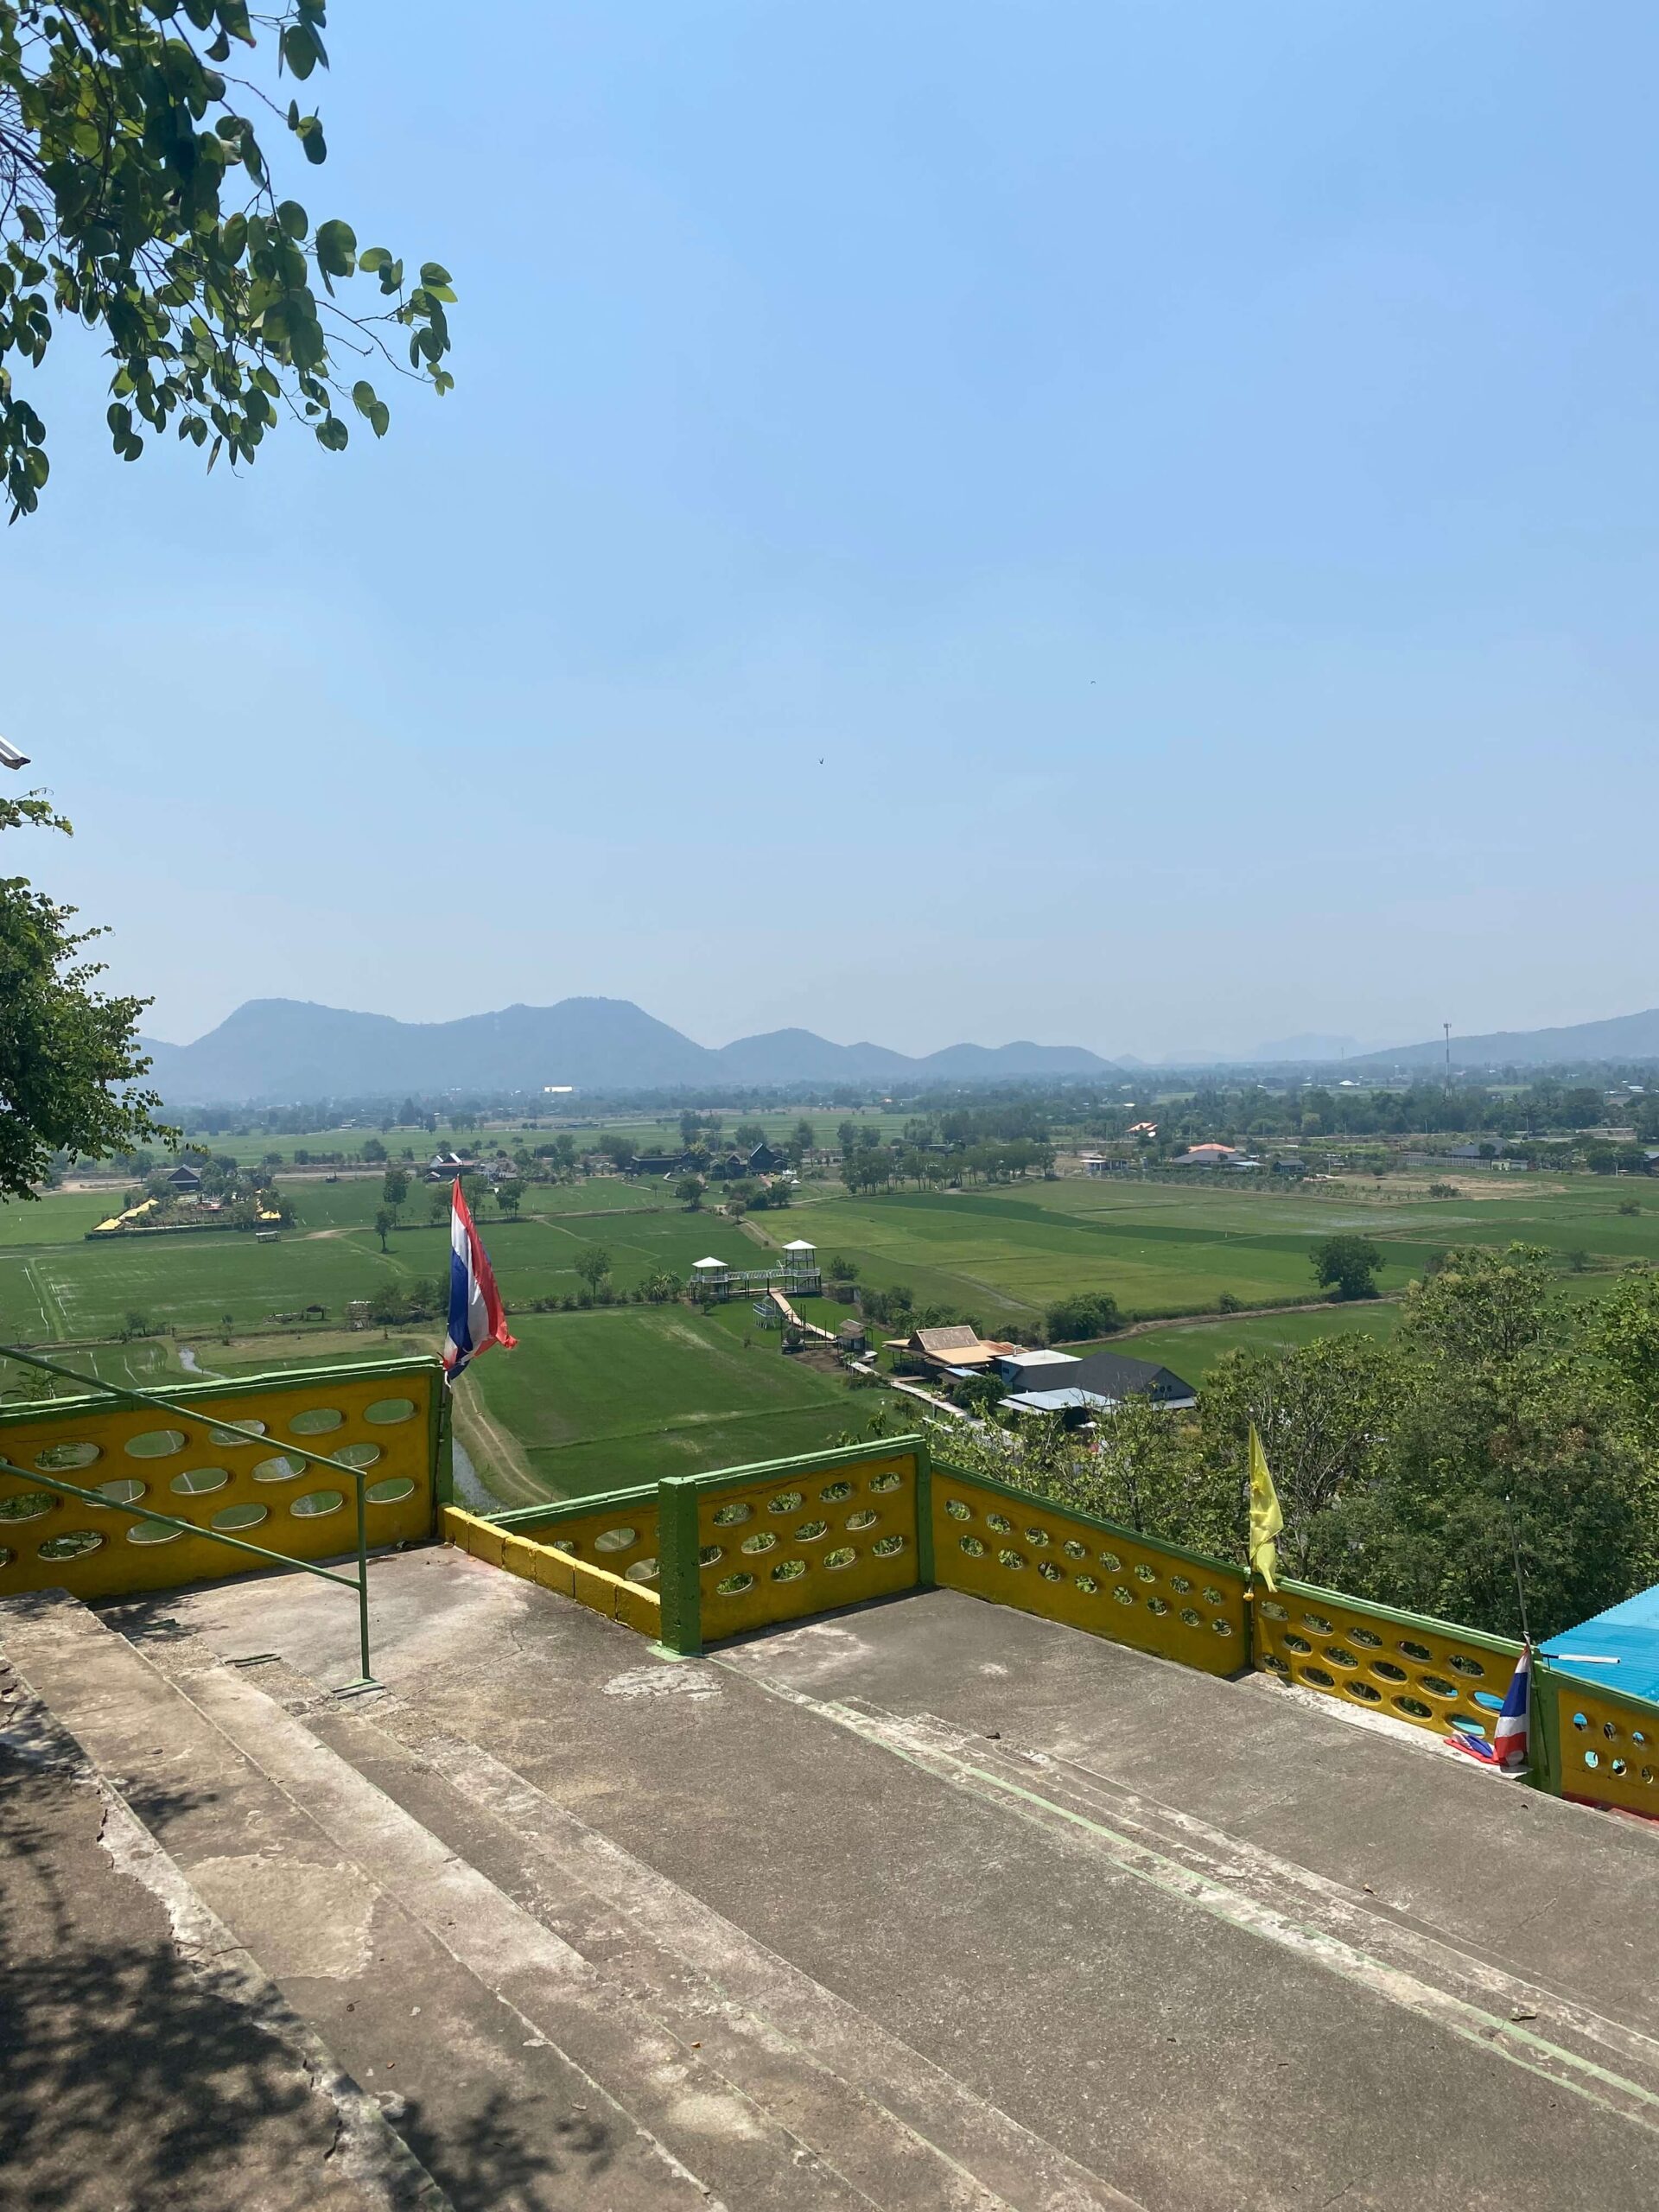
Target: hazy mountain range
1622	1037
275	1051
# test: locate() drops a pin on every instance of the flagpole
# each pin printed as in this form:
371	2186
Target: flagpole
1520	1581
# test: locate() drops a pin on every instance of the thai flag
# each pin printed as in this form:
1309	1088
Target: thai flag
476	1318
1508	1749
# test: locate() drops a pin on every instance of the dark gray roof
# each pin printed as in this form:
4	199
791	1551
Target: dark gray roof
1114	1375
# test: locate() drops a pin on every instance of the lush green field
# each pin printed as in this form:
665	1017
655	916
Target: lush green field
57	1219
1192	1348
1003	1254
67	1287
596	1400
1164	1249
592	1399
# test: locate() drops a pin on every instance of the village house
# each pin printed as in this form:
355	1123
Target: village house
1097	1384
445	1165
1032	1371
958	1351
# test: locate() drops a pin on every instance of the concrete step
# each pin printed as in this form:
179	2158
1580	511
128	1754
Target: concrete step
494	2048
145	2058
902	2130
524	2073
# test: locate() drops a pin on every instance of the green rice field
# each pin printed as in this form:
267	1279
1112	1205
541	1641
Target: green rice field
593	1398
597	1400
1162	1248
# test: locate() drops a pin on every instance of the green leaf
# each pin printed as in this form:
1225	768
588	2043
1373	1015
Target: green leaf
333	434
376	257
336	248
299	50
293	218
234	236
311	138
432	272
362	395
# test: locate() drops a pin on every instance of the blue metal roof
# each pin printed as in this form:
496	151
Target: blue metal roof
1628	1633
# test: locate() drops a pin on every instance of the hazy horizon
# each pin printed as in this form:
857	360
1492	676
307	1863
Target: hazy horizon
1305	1047
1083	524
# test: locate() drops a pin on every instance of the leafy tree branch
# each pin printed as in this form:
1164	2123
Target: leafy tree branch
136	197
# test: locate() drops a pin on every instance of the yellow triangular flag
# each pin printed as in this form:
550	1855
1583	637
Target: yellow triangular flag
1267	1516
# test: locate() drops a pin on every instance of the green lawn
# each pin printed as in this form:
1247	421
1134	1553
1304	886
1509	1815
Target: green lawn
57	1218
597	1400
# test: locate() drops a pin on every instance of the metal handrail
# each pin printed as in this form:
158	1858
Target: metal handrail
153	1398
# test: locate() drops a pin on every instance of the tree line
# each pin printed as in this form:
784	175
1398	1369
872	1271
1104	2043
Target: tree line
1403	1465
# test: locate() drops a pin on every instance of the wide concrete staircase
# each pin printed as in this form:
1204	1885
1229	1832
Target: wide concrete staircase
931	1905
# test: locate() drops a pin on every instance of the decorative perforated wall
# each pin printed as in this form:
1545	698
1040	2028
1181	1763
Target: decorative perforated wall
995	1541
1430	1673
752	1545
1607	1746
382	1419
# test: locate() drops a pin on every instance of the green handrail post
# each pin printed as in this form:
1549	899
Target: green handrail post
679	1571
366	1677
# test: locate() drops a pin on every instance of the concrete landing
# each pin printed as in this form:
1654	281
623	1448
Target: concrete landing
1181	1938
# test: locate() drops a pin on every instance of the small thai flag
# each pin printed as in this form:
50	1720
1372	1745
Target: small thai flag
476	1318
1508	1749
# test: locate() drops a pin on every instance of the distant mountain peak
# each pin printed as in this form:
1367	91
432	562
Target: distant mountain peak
1621	1037
277	1050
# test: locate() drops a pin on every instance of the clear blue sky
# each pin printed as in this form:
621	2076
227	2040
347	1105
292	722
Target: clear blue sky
1124	524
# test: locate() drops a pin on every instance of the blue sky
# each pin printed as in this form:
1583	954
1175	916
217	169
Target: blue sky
1115	524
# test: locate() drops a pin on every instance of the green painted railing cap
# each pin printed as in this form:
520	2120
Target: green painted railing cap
553	1509
841	1455
1573	1686
1392	1614
283	1378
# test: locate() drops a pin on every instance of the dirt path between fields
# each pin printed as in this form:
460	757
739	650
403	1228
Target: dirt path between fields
494	1452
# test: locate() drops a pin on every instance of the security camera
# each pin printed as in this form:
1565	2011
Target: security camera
11	757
